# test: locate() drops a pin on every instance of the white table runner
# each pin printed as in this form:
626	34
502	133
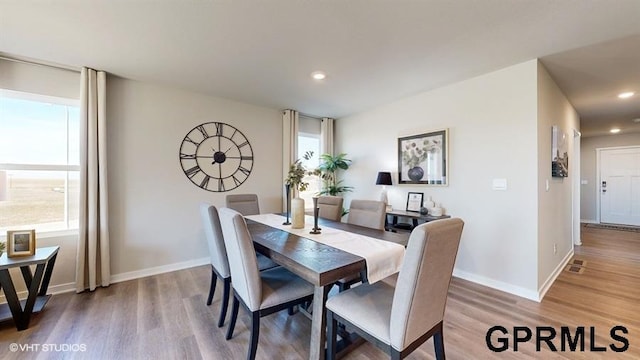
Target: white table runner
383	258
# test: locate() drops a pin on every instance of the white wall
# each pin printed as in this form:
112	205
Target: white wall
492	121
154	219
554	205
589	191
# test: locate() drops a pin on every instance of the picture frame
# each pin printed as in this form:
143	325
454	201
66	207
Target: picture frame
559	153
414	201
21	243
423	158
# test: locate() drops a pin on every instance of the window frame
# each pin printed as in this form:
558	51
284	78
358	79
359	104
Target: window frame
69	227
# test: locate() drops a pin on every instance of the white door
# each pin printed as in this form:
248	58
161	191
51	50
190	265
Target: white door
620	186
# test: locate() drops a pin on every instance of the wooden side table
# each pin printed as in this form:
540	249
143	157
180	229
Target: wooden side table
21	310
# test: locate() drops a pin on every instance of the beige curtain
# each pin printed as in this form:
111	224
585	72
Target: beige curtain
290	123
92	265
326	136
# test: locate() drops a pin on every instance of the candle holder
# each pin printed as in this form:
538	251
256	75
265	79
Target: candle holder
287	190
316	211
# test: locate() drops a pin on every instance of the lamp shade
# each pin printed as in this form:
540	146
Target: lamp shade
384	178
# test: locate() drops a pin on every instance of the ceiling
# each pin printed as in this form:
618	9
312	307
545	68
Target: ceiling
374	51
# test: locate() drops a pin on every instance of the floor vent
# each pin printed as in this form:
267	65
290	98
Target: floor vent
614	227
576	266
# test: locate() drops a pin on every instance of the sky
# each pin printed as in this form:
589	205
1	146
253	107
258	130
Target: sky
34	132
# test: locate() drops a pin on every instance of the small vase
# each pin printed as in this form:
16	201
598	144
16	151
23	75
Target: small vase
297	213
429	203
415	173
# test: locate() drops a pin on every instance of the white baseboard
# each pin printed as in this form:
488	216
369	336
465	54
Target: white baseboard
498	285
132	275
159	270
53	289
556	272
589	221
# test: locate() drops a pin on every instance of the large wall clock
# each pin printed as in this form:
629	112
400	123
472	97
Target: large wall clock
216	156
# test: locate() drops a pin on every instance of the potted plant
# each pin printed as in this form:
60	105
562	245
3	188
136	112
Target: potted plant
295	180
329	166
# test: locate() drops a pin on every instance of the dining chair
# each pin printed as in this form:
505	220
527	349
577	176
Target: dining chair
218	254
330	207
261	293
245	204
367	213
400	319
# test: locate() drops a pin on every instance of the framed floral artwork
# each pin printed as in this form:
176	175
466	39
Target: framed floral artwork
423	158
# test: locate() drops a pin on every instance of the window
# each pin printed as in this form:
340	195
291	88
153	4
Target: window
39	162
309	142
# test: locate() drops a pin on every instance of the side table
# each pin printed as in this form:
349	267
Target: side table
21	310
414	216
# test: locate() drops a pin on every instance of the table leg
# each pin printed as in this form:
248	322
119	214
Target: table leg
47	276
33	294
12	298
318	323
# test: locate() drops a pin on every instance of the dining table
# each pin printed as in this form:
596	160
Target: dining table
324	258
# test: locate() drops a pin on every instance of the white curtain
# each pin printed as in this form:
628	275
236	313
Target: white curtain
326	136
92	266
290	123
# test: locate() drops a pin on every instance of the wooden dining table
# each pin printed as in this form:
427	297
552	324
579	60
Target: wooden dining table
321	265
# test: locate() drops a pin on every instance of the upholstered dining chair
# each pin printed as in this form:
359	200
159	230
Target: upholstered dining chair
245	204
219	262
330	207
400	319
261	293
367	213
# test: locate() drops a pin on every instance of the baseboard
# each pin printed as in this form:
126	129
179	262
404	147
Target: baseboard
498	285
589	221
132	275
53	290
556	272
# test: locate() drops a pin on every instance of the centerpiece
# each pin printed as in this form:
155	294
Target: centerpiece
295	180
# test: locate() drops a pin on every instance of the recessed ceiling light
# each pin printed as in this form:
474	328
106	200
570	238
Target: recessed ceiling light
626	95
319	75
614	130
636	120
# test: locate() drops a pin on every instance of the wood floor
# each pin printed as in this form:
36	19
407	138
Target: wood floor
165	317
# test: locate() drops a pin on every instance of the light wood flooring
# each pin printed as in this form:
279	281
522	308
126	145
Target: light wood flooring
165	316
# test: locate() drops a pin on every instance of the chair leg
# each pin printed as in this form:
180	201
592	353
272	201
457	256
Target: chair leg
438	344
255	334
212	287
225	301
331	336
234	316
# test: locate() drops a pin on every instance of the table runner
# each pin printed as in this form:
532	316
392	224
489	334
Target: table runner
383	258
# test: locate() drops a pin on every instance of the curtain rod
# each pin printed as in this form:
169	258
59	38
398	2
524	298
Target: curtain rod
39	63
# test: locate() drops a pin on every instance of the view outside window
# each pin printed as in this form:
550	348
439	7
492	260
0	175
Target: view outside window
39	162
309	142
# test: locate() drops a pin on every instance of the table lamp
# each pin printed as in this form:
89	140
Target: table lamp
384	179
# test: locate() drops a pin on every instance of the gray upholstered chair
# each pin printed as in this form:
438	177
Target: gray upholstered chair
245	204
330	207
400	319
219	262
261	293
367	213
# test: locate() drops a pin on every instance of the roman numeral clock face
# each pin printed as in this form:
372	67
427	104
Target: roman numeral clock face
216	156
